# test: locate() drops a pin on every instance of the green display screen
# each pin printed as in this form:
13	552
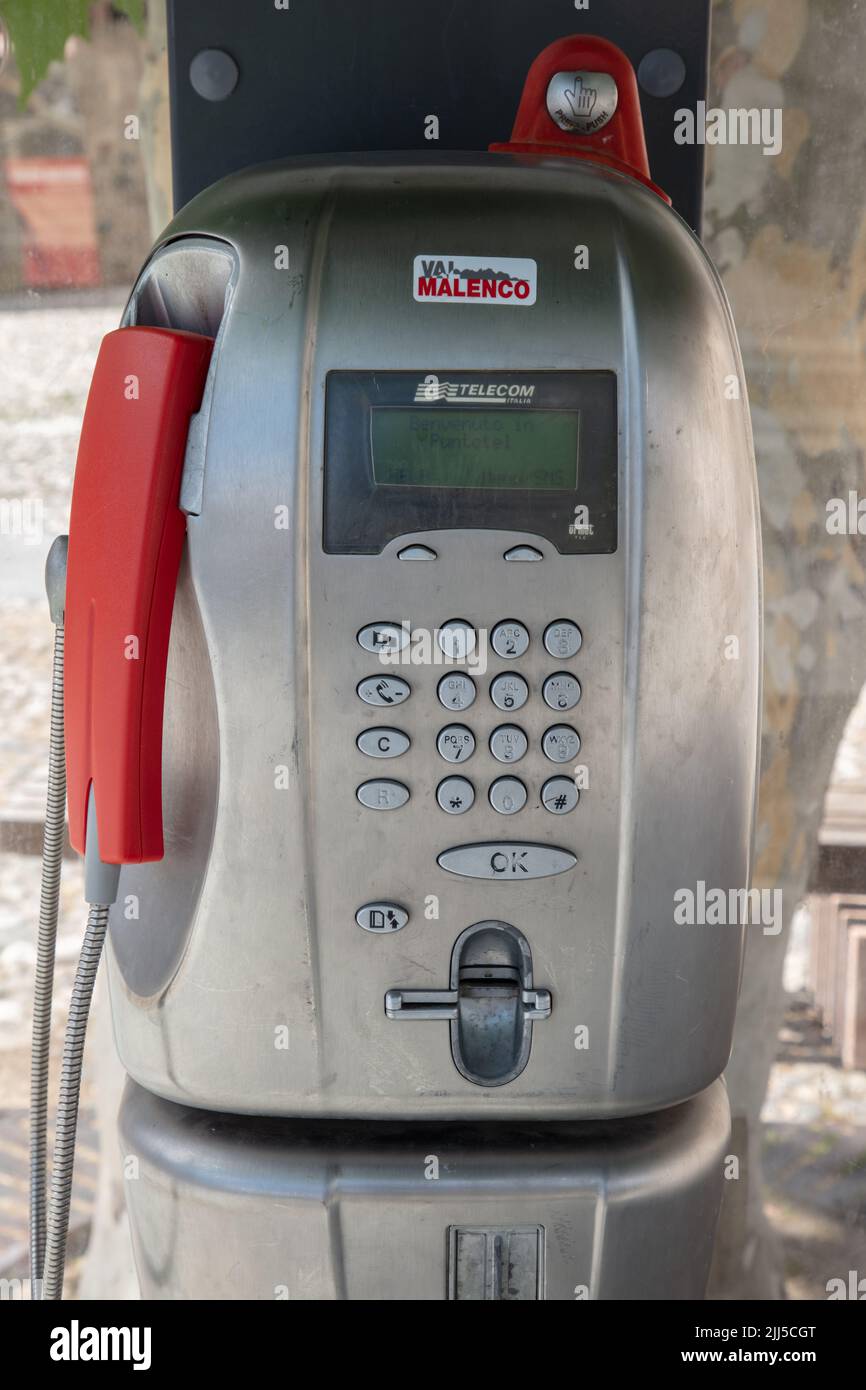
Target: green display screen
469	448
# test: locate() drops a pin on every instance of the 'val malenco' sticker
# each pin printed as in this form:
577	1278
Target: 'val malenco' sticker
474	280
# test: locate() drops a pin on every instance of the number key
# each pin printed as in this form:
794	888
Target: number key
563	639
455	743
509	639
509	691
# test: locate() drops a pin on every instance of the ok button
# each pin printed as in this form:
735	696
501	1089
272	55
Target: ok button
506	861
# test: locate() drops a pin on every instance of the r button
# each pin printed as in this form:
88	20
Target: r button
382	795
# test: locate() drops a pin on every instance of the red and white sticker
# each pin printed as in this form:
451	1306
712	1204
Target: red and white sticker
508	280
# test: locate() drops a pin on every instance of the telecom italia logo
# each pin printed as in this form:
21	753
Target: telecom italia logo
432	388
507	280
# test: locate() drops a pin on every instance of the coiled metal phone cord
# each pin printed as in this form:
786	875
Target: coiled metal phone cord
48	1232
52	857
67	1104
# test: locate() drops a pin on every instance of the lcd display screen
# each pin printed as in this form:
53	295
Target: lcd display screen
474	448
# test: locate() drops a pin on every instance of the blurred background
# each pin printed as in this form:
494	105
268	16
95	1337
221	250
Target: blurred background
85	185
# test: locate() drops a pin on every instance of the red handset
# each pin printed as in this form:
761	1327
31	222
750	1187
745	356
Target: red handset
126	535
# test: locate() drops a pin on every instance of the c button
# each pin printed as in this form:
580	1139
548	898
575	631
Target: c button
383	743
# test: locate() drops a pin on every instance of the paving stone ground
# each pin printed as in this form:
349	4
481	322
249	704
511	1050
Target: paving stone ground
815	1114
14	1181
815	1157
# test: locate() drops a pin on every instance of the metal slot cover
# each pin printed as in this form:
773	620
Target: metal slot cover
496	1264
490	1004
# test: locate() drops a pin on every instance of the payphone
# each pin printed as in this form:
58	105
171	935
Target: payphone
470	520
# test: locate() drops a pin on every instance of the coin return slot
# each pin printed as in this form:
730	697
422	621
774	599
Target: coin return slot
489	1020
490	1005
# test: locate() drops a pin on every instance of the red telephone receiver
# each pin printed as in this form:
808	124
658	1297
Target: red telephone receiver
126	536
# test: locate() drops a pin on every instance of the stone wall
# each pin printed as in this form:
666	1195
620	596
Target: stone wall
80	109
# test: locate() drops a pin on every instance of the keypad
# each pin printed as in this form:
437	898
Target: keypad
508	691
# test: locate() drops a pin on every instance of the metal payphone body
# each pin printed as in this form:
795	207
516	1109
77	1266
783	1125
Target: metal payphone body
318	1209
412	621
297	951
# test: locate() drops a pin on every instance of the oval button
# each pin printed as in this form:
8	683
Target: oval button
523	552
383	637
381	917
382	795
509	861
383	743
416	552
384	690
